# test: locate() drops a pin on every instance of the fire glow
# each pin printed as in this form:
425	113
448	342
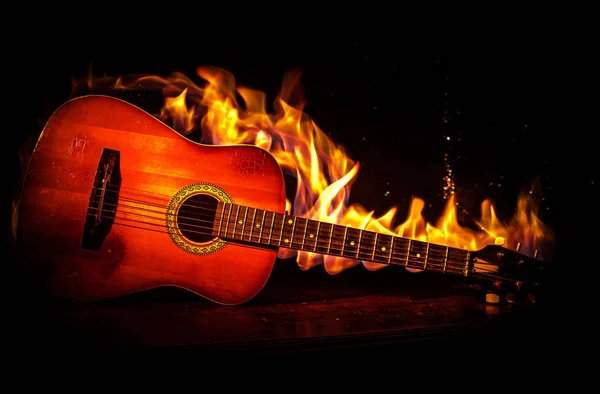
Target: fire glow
323	170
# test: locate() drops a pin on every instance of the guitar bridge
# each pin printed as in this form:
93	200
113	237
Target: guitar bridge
103	201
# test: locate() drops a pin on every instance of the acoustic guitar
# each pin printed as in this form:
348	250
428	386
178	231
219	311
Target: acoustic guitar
116	202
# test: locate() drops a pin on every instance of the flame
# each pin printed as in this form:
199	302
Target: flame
323	169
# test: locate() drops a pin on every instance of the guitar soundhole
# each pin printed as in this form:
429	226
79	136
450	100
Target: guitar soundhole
196	216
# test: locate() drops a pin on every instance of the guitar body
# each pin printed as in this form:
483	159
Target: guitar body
139	247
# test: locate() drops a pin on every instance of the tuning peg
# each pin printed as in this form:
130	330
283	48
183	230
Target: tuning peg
493	291
511	298
492	298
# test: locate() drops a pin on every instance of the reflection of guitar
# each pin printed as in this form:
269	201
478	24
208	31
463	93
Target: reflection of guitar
115	202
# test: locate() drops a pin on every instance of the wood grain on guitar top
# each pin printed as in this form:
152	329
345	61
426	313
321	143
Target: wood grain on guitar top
155	163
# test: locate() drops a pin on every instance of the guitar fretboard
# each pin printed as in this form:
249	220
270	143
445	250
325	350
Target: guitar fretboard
251	225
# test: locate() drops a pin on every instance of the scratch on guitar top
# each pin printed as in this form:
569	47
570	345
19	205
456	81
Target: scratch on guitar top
250	163
77	147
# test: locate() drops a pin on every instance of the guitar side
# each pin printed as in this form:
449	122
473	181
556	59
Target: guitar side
61	191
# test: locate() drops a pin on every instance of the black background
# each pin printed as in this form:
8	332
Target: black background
385	101
500	80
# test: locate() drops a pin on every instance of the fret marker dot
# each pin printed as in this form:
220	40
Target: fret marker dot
290	221
352	243
287	241
383	248
311	235
240	221
257	225
418	254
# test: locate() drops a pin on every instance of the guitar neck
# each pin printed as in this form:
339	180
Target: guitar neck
259	227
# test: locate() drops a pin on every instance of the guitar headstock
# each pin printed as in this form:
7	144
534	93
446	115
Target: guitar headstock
509	271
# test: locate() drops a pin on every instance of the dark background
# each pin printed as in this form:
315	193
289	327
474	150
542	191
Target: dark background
505	103
510	98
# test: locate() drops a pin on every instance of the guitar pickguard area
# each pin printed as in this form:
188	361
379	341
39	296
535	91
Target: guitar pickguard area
250	162
190	218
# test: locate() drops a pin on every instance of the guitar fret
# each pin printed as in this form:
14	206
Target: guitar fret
374	247
228	226
304	234
391	250
252	225
317	235
228	219
271	229
222	207
344	240
446	258
408	251
293	232
237	214
244	223
281	232
330	238
426	256
467	258
262	226
359	241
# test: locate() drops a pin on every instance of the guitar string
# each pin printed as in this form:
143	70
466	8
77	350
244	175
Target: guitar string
451	263
431	254
434	250
433	262
416	264
181	209
168	197
439	254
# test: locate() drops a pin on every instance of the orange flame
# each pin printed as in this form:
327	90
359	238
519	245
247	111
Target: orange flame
323	169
